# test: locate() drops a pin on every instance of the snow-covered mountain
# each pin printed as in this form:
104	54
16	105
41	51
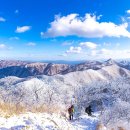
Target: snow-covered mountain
125	64
25	69
35	88
8	63
101	84
33	69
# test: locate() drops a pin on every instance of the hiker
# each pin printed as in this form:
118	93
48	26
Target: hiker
88	110
71	112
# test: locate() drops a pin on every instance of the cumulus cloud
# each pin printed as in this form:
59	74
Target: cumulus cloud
128	11
2	19
22	29
31	44
87	26
74	50
89	45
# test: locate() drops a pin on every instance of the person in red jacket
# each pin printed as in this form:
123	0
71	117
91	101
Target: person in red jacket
71	112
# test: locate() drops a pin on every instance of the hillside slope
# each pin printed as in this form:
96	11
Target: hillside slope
61	86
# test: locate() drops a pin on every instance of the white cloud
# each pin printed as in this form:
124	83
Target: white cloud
128	11
87	26
109	44
2	46
105	51
31	44
93	53
115	54
22	29
14	38
89	45
74	50
5	47
106	54
123	19
42	34
2	19
98	54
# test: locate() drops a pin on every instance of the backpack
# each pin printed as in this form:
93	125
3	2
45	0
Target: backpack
70	110
87	110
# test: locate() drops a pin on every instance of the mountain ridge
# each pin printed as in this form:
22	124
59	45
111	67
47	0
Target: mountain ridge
24	69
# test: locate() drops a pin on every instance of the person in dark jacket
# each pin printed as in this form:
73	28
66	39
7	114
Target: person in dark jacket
88	110
71	112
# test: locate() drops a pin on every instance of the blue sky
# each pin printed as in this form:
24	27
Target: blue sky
64	29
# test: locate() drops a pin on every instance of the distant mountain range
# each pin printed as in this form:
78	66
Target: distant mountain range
24	69
63	62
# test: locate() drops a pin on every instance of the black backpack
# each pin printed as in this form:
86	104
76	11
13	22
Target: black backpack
87	110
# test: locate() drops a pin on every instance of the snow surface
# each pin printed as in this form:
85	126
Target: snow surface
85	123
44	121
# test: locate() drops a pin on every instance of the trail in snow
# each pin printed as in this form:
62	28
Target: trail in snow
85	122
43	121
